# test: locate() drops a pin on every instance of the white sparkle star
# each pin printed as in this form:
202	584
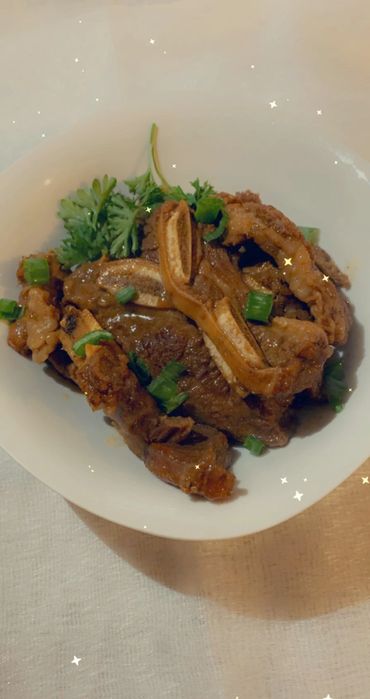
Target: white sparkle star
365	480
335	162
273	104
298	496
152	41
75	660
284	480
13	121
76	59
43	135
97	99
305	480
319	112
148	209
173	165
165	53
325	278
252	66
288	262
327	697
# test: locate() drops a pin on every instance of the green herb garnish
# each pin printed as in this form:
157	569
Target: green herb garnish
164	387
258	306
312	235
84	215
10	310
101	220
255	445
36	270
334	386
140	368
126	294
93	338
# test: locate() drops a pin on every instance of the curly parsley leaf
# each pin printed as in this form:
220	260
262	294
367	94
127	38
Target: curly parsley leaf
84	216
145	191
125	215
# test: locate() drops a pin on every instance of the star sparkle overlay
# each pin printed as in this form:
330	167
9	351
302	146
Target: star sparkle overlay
273	104
365	480
298	496
288	262
327	697
325	278
75	660
148	209
284	480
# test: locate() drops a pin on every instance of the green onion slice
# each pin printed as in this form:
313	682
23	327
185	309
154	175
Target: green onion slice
172	370
36	270
10	310
126	294
93	338
255	445
140	368
258	306
334	384
312	235
164	388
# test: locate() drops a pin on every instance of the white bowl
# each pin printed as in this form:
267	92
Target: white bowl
216	122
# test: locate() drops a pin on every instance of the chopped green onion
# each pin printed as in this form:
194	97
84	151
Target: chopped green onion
36	270
126	294
312	235
140	368
258	306
334	385
93	338
10	310
164	388
255	445
172	370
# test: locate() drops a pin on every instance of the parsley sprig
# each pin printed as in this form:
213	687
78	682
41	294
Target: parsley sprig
101	220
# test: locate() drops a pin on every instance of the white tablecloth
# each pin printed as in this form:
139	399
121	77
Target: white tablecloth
284	614
280	615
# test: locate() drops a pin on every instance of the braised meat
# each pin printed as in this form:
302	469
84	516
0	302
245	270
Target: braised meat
282	240
189	329
197	465
159	336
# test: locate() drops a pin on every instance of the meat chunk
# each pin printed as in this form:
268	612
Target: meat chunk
265	277
159	336
286	338
36	331
198	468
193	458
281	239
327	265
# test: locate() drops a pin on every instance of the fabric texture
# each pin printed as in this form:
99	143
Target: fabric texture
279	615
